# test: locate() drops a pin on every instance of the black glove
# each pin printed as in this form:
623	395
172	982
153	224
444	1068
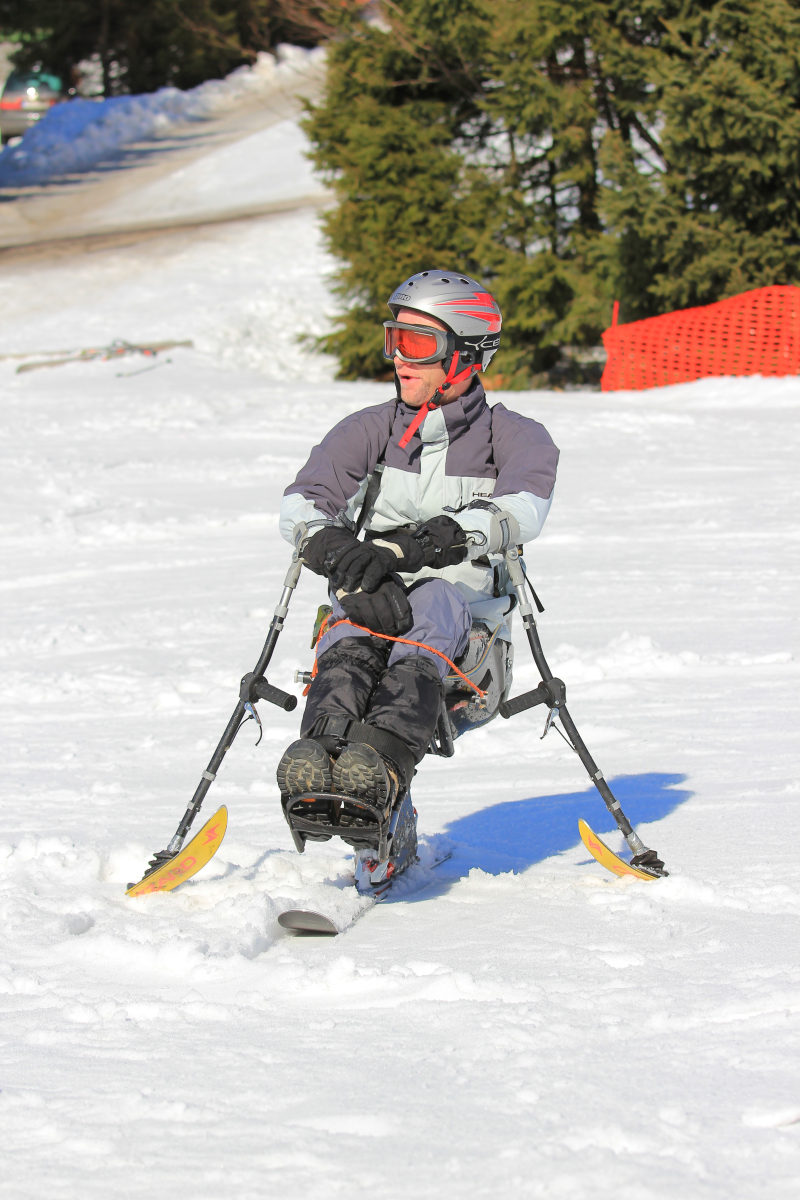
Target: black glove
348	563
386	610
438	542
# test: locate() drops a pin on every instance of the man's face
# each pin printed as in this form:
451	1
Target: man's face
418	381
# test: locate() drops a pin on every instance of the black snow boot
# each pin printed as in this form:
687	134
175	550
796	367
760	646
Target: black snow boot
378	763
361	772
304	767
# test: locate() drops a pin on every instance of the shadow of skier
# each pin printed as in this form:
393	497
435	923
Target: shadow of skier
518	833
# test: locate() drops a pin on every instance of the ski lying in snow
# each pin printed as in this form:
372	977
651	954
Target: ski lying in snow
607	858
116	349
187	862
305	921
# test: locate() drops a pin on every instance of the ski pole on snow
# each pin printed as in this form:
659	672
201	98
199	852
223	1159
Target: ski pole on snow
254	686
552	691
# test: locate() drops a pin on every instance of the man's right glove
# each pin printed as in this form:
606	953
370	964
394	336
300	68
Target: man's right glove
348	563
386	610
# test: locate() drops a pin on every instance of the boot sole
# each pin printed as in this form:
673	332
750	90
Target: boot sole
360	772
304	767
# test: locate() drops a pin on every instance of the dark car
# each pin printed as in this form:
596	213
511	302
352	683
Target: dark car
26	97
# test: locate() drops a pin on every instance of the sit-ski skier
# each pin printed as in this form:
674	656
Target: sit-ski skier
460	482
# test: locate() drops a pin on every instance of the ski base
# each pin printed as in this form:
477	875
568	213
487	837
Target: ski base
607	858
300	920
306	922
187	862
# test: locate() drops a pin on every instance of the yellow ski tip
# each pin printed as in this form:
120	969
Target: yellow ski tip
188	861
607	858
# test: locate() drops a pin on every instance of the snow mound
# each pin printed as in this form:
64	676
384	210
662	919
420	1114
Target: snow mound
77	135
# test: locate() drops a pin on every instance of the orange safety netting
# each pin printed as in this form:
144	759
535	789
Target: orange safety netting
756	333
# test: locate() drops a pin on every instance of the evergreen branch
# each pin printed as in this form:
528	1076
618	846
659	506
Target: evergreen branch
646	136
461	78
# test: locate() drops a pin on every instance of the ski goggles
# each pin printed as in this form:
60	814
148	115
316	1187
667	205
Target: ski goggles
416	343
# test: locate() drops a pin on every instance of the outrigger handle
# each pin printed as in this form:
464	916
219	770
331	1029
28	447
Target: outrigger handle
253	688
552	691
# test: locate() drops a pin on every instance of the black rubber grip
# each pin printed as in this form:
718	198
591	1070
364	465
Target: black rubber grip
267	691
518	704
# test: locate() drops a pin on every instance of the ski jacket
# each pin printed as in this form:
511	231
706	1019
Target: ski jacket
464	452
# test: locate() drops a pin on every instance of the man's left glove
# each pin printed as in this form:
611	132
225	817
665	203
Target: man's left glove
438	542
386	610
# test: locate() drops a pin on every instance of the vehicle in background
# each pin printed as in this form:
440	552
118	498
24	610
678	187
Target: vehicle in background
25	99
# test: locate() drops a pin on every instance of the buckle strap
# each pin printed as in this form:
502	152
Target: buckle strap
334	733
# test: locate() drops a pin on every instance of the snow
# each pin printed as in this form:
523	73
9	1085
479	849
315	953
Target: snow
77	136
527	1024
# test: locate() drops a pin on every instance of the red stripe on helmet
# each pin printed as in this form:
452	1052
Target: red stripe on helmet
488	313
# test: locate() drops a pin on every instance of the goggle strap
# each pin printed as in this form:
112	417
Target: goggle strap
455	376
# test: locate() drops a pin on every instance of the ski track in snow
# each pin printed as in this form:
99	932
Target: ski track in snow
526	1023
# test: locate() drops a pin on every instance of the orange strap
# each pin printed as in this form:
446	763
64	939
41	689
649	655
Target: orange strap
326	628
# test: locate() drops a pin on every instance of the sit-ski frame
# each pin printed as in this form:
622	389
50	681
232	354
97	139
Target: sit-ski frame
551	691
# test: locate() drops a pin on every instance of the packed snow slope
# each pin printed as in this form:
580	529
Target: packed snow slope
527	1025
228	148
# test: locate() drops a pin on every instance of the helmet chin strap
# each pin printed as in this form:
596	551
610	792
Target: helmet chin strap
453	376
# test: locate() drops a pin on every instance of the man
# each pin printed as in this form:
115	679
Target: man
459	483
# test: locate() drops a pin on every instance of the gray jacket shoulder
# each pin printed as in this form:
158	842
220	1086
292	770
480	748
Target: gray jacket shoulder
525	455
337	467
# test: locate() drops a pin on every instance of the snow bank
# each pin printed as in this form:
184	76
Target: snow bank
78	135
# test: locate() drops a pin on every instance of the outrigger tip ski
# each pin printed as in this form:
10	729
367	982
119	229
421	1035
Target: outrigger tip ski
172	866
167	869
643	866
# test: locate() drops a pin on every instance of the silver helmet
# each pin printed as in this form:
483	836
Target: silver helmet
460	303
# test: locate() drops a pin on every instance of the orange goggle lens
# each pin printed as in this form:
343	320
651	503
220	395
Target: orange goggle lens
414	343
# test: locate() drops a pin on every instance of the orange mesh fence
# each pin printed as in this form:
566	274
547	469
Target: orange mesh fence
756	333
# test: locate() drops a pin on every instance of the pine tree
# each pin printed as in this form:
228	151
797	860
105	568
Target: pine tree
565	153
562	76
719	210
466	134
399	94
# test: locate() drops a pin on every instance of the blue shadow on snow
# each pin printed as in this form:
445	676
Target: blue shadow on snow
514	835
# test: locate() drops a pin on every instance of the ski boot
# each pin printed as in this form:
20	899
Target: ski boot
372	872
362	773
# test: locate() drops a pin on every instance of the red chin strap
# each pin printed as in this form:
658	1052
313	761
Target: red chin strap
453	376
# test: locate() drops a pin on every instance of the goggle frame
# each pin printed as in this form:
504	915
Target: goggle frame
444	342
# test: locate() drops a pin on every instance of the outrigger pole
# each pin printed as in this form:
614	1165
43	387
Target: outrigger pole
253	687
552	692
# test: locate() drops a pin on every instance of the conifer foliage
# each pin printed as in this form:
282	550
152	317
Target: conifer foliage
565	153
718	210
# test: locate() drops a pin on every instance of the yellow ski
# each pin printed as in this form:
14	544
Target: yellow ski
188	861
607	858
